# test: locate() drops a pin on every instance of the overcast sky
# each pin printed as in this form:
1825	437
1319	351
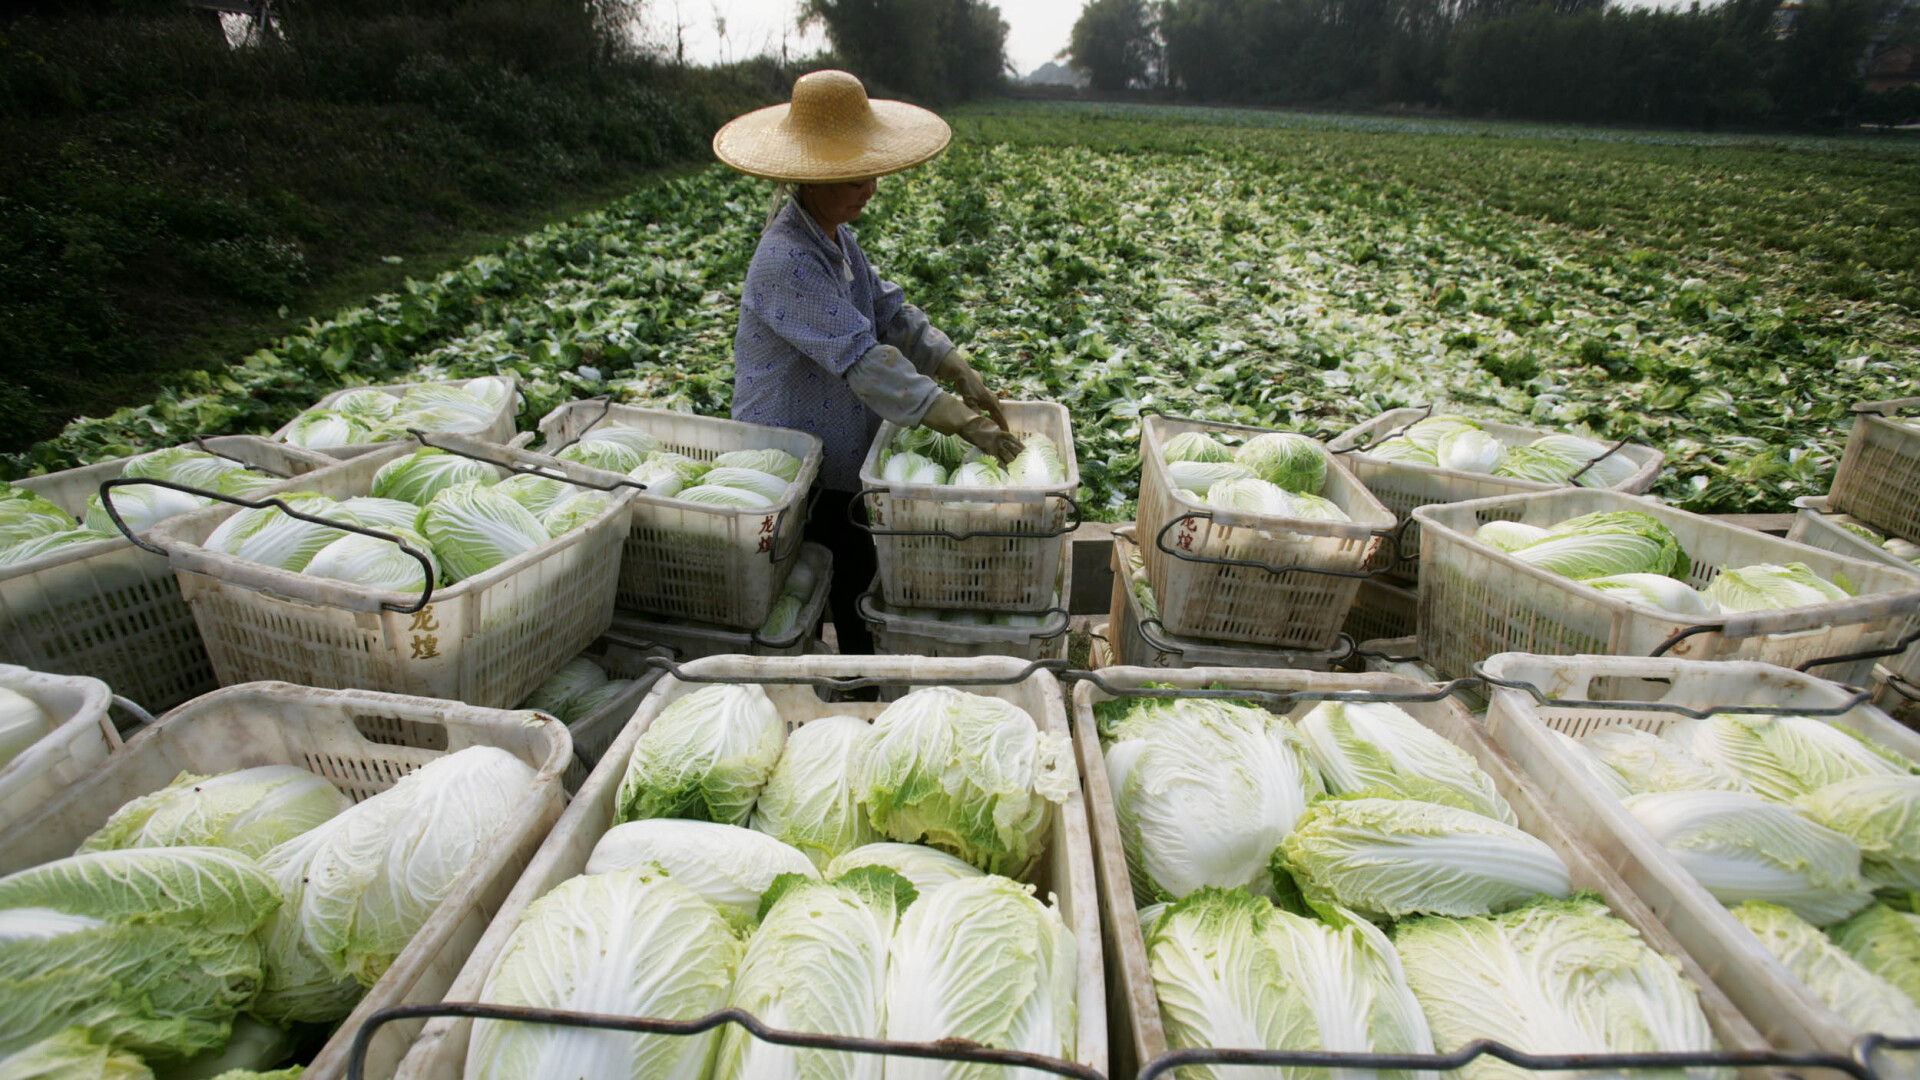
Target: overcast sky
1037	29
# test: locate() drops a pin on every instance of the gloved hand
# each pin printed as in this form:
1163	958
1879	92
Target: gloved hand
949	416
957	371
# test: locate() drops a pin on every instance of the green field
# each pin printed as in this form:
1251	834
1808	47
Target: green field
1720	297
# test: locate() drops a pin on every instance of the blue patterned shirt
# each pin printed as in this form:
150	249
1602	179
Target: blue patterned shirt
809	311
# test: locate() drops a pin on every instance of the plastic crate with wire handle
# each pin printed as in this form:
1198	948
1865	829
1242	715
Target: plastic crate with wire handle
1139	639
362	743
1534	696
688	640
1139	1036
110	611
82	736
973	549
1241	575
897	633
1476	600
1404	486
723	565
1065	869
1878	480
487	640
497	428
1816	525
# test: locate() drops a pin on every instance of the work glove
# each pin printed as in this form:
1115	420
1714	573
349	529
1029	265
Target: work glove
956	370
948	415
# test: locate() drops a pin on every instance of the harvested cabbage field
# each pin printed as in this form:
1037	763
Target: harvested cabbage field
1722	299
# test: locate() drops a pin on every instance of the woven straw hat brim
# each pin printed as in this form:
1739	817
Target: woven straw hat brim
897	136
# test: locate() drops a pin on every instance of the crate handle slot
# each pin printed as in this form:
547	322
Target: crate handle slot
860	497
855	682
943	1050
426	564
200	441
1391	536
634	642
1541	697
1886	408
1854	1066
874	618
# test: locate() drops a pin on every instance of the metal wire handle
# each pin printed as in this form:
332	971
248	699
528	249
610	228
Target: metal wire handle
1853	1066
1426	412
1591	462
855	682
1541	697
859	500
544	472
606	407
864	604
943	1050
426	564
1391	536
141	717
1866	654
1151	628
1439	692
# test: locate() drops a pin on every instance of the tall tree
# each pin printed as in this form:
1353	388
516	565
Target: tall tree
1112	44
940	50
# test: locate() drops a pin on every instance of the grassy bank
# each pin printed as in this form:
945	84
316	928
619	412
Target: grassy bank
168	204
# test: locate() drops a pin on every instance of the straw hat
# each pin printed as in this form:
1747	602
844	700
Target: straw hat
831	132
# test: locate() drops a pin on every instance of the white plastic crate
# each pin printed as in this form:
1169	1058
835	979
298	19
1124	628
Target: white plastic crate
1065	870
1787	1013
1403	486
1476	600
1382	609
1012	568
1134	1007
497	430
110	611
362	743
1879	476
692	640
1141	642
1100	648
895	634
487	640
82	737
722	565
1296	610
1815	526
594	732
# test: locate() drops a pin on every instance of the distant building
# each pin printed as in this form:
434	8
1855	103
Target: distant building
1894	68
1053	73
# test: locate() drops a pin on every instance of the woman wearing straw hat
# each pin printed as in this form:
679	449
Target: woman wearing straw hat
824	344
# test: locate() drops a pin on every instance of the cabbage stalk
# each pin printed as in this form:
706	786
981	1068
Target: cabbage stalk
968	774
625	943
1742	847
1379	748
726	865
705	757
808	801
1389	858
248	810
1204	791
1232	970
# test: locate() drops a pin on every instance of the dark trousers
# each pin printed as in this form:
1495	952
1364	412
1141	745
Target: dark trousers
854	564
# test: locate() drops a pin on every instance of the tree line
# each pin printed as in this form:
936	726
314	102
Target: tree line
1742	62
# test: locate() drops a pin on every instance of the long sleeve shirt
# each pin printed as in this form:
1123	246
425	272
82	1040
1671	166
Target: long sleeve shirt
825	346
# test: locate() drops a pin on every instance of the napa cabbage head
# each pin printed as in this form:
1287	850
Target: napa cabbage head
25	515
1554	976
1402	451
925	867
51	543
151	949
1645	762
73	1054
613	435
1606	471
1532	463
770	461
716	495
1427	433
1294	462
764	484
182	465
1767	587
556	695
1195	446
984	473
376	513
1038	465
367	403
1232	970
1657	591
625	943
912	468
1199	477
473	529
661	479
1388	858
1379	747
1863	999
816	963
323	429
1204	791
1590	764
475	407
981	960
808	801
360	885
1881	813
247	810
1784	757
1671	559
1741	847
575	511
1469	451
427	472
376	563
947	451
141	506
1603	552
1509	535
1886	942
538	494
705	757
730	867
268	536
968	774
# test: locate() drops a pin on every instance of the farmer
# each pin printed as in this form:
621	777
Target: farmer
824	344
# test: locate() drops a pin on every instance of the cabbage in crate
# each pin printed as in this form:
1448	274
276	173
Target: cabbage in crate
925	867
1292	461
425	473
1861	998
705	757
726	865
808	801
248	810
1377	747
